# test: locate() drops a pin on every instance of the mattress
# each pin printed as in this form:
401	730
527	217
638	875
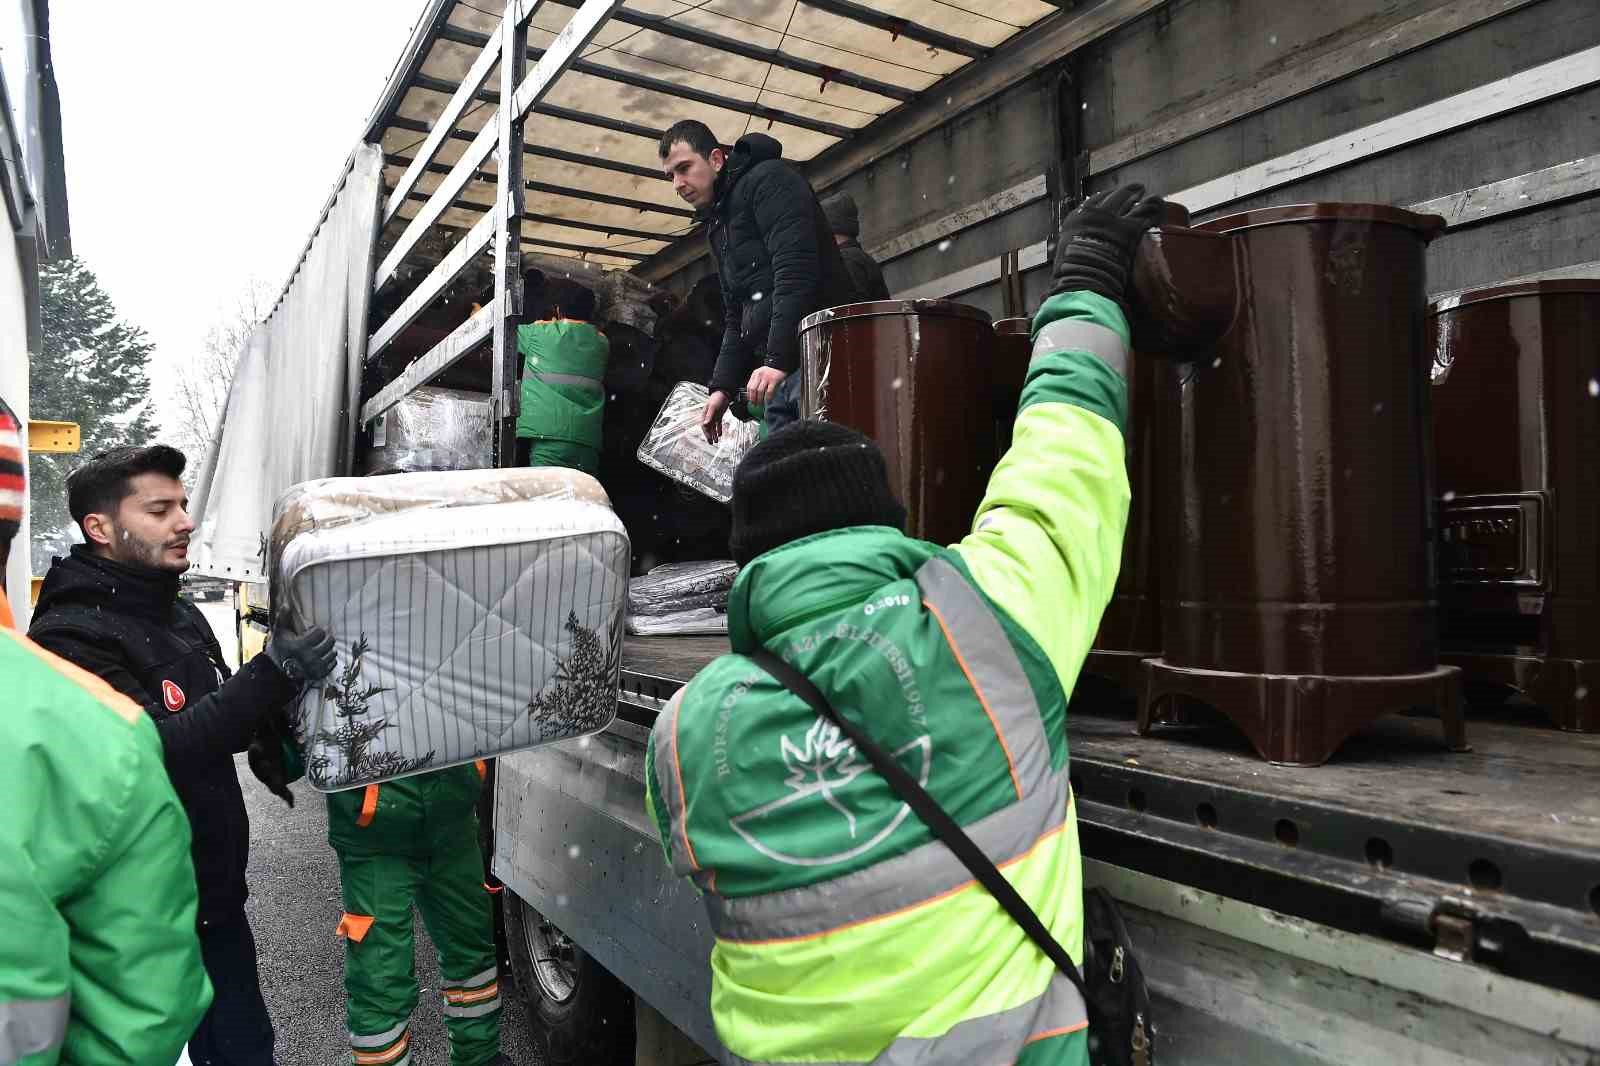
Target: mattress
475	612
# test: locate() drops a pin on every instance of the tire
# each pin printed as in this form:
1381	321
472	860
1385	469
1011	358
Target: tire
581	1013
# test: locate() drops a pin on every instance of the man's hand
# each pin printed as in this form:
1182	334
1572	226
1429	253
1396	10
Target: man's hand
308	656
711	417
764	385
1098	241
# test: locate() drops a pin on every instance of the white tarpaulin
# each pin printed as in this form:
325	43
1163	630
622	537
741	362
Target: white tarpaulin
285	420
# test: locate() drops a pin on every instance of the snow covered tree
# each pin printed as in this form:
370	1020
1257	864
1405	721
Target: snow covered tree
94	369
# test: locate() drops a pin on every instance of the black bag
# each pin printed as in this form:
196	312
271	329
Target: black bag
1121	1032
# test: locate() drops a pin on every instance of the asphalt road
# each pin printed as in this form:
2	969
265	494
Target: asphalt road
294	907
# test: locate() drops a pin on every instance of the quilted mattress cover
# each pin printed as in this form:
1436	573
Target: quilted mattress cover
476	613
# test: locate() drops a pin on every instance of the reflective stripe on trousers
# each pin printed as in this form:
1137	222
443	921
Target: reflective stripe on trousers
1057	1011
29	1026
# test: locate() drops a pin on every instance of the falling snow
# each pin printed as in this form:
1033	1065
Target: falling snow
1594	387
1448	496
944	246
573	851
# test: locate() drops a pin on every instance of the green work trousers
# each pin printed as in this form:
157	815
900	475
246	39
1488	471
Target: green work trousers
379	980
547	451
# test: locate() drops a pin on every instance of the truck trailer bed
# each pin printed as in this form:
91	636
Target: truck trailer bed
1491	854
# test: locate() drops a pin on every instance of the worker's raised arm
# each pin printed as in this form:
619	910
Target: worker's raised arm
1046	542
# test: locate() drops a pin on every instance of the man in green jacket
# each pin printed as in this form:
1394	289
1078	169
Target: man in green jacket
845	931
563	379
99	958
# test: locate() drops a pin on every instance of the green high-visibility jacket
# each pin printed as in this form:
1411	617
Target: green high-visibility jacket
845	932
563	381
99	959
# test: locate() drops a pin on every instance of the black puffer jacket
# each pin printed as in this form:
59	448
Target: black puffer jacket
776	259
128	625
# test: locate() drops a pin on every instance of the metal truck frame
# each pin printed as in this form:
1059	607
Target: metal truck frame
1401	904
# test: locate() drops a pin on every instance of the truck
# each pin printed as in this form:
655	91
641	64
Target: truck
1401	903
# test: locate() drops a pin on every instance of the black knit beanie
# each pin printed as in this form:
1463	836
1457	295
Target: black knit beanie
843	217
809	477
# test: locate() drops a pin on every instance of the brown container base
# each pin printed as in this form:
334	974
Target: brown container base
1299	719
1568	690
1121	668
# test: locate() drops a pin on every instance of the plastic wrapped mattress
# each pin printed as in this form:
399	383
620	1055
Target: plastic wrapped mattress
476	613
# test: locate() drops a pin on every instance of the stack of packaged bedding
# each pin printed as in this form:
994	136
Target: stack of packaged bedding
681	599
432	429
476	613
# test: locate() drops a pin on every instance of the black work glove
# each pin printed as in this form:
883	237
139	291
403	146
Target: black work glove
308	656
267	763
1098	240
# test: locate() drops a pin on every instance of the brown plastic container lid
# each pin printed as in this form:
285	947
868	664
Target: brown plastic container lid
1506	292
1427	225
1013	327
883	308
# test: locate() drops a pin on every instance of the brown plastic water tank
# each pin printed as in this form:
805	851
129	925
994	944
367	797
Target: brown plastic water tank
915	376
1297	592
1516	399
1013	347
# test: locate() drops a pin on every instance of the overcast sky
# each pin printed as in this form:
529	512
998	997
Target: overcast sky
202	139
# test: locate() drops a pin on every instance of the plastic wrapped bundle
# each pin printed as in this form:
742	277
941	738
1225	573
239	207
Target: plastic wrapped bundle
476	613
432	429
699	621
676	447
674	587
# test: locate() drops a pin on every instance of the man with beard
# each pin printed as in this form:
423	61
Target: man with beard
112	607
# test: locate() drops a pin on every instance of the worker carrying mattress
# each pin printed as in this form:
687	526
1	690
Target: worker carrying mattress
476	613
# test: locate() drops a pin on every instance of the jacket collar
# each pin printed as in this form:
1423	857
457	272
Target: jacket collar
86	579
746	152
815	575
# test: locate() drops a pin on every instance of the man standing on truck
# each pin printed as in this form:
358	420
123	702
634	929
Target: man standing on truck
844	218
90	823
112	608
774	255
845	931
563	379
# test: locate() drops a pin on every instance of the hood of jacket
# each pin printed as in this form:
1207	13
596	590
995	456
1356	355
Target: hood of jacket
84	579
746	152
818	575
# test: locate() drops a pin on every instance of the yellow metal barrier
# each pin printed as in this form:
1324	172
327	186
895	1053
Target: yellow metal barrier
59	437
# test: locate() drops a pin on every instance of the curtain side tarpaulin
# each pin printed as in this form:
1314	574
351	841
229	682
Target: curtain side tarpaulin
286	419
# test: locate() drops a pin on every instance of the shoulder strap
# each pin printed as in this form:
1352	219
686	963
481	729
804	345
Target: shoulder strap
933	816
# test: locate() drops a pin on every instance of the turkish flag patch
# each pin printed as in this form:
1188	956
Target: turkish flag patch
172	696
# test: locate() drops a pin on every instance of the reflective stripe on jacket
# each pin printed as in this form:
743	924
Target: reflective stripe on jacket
846	933
563	381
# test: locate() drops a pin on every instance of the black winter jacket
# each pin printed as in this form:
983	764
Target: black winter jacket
865	273
775	257
127	625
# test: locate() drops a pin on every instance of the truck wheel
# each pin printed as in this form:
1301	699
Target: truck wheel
582	1013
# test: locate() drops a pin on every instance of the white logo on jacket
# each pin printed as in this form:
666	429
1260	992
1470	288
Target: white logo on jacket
822	767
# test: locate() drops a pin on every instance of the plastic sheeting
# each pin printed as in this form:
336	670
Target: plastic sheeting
475	613
432	429
285	420
676	447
